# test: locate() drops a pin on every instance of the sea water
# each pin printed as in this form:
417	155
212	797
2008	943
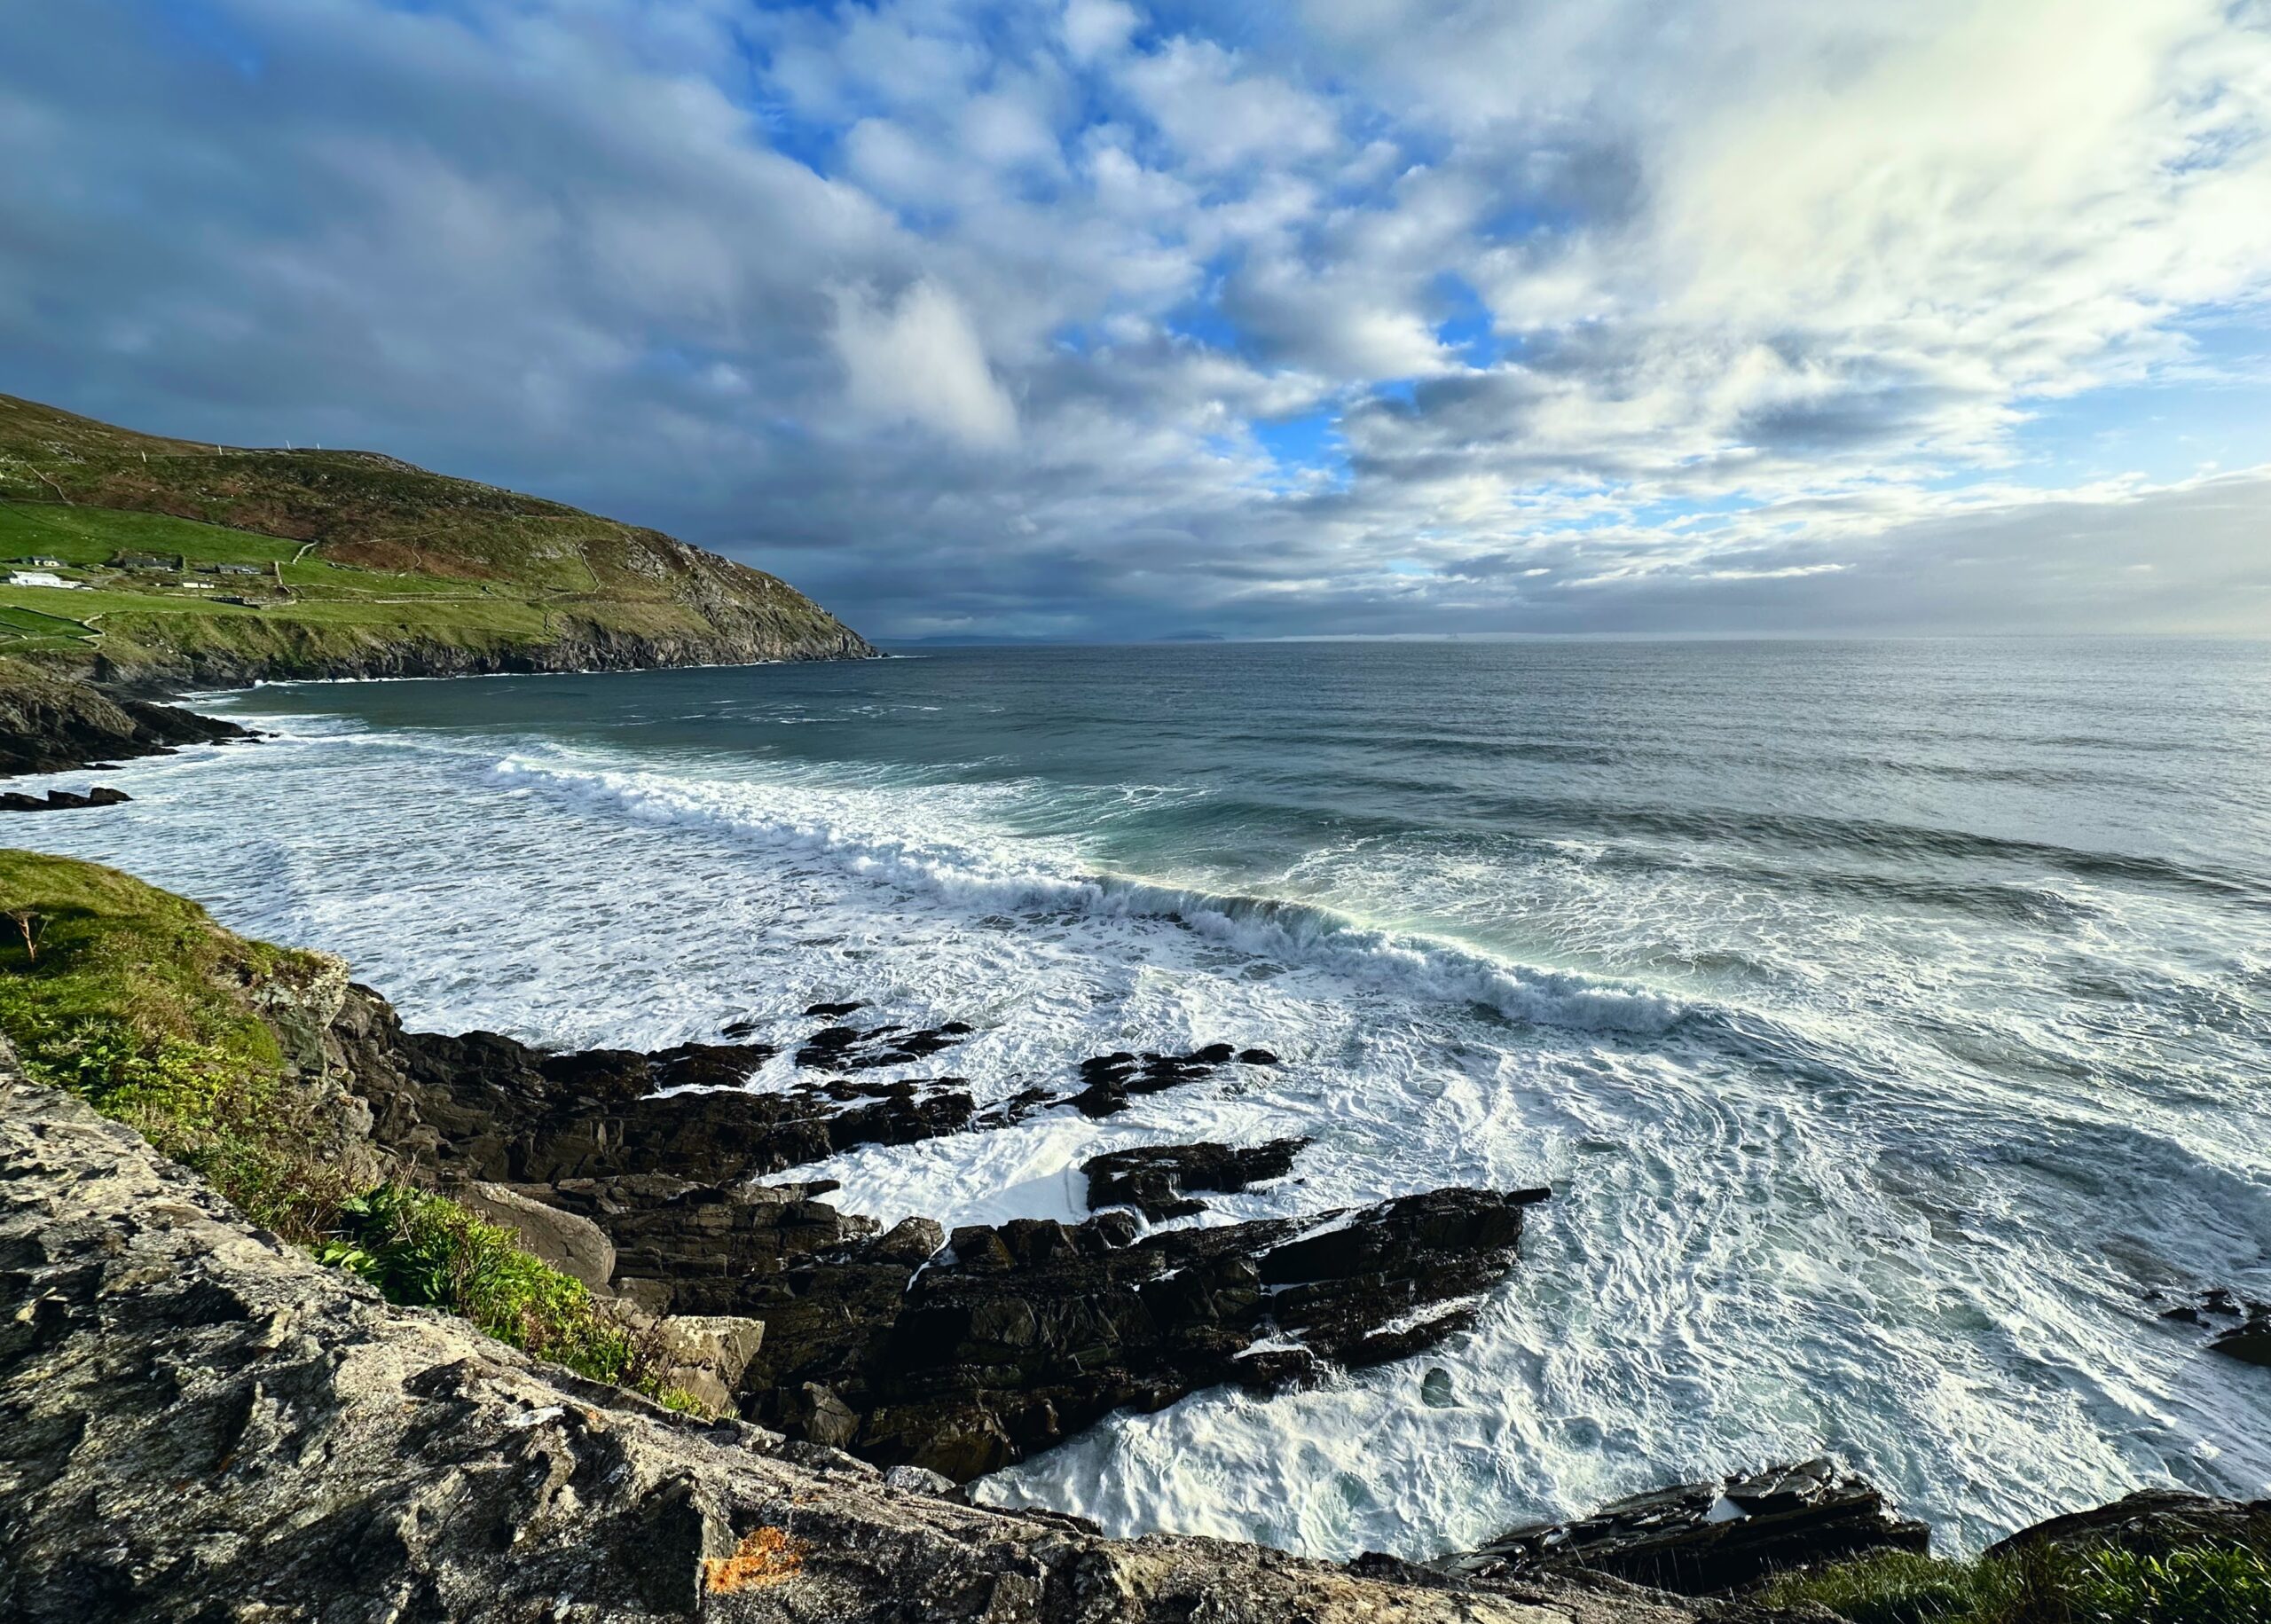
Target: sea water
1890	1019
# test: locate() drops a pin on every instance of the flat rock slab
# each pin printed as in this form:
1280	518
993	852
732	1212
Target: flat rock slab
1699	1539
1157	1180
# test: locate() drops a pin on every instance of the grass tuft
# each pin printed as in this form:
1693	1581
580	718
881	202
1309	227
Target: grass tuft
2044	1584
424	1249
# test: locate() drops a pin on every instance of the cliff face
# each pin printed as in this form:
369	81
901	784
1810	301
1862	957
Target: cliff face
198	1421
49	724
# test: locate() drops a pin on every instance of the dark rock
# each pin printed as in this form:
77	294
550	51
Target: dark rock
199	1422
2242	1326
50	722
2250	1343
483	1106
1028	1332
1257	1058
61	800
1700	1539
1111	1080
831	1012
1157	1179
2151	1523
847	1049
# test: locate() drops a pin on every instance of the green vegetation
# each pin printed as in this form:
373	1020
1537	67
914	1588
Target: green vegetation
137	1003
134	999
2045	1584
427	1249
356	554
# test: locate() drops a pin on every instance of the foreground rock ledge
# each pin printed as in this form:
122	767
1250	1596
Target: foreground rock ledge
196	1422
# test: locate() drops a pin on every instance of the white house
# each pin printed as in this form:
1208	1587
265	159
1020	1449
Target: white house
39	577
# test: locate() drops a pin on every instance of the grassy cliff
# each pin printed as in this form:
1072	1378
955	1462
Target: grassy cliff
195	563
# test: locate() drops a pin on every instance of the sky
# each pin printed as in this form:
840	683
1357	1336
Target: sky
1085	319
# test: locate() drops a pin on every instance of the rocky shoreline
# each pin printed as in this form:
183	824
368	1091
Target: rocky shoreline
53	723
199	1421
958	1353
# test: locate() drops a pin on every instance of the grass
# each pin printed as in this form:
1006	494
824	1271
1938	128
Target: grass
2044	1584
358	551
135	1001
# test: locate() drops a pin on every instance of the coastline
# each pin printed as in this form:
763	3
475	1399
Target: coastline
805	1423
298	1366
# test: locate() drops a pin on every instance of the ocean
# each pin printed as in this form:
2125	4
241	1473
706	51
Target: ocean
1891	1019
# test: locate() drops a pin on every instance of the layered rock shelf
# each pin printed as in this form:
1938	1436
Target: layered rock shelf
960	1355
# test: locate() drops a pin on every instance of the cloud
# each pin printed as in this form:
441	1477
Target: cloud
919	361
1097	320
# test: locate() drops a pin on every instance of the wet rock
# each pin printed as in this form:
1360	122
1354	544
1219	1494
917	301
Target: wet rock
196	1422
1025	1333
847	1049
61	800
1110	1081
483	1106
2151	1522
1700	1539
1257	1058
2240	1326
832	1012
2250	1343
1157	1180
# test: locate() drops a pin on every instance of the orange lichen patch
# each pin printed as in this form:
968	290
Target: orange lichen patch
765	1556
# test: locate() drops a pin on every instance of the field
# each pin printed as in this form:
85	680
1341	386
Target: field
362	563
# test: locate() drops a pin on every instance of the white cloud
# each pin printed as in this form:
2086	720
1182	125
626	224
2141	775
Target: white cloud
1747	299
920	361
1098	28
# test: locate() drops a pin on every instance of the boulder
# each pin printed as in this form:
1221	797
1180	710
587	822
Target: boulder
573	1245
1702	1539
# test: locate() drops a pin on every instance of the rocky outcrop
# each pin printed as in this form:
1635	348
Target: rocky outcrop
904	1347
1157	1180
1019	1336
1703	1538
481	1106
2151	1523
198	1422
50	722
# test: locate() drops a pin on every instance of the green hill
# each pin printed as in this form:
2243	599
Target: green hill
188	564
